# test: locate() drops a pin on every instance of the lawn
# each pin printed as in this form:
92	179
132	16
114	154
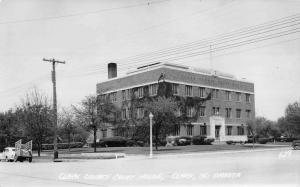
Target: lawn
162	150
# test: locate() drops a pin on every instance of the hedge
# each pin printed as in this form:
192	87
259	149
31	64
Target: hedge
116	141
198	140
263	140
63	145
202	140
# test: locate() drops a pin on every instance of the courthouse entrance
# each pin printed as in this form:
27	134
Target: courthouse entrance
217	128
217	132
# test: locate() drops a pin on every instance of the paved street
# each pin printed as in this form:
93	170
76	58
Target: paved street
279	167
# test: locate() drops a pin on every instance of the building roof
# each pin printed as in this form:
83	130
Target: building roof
183	68
175	73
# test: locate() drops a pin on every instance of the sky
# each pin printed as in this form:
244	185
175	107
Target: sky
89	34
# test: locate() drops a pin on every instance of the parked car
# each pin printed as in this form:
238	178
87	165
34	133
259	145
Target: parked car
296	144
183	140
283	139
9	154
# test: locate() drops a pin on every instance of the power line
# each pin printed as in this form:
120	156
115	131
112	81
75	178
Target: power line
174	53
201	52
253	48
81	14
211	40
246	30
19	88
168	22
295	16
291	20
224	47
122	69
238	44
205	52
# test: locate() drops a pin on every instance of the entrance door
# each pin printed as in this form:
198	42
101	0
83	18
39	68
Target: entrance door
217	132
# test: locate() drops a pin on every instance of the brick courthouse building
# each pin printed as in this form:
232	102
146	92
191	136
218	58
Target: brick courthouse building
227	103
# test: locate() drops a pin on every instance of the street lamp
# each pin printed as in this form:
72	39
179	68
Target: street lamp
151	117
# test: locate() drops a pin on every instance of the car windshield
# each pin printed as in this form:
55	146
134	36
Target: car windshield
13	149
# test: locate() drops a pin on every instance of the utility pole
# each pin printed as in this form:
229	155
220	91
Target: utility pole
53	61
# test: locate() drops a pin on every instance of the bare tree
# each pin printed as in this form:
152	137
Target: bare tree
67	124
290	123
35	114
93	114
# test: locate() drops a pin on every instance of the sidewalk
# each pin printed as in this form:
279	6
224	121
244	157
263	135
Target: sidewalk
48	157
205	153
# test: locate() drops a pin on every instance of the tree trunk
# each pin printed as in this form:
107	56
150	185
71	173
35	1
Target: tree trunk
156	138
69	141
95	139
39	149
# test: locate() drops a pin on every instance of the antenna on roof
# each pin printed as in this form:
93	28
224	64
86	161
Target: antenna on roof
211	61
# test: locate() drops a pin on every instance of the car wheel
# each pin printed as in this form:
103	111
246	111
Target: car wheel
16	158
30	159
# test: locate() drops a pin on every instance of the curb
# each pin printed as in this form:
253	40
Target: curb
94	156
208	153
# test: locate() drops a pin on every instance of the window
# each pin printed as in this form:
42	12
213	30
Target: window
238	113
153	89
229	130
216	110
228	112
129	113
215	93
139	93
240	130
190	111
177	130
123	114
203	129
247	98
201	92
123	95
175	89
189	91
238	96
228	95
113	97
140	113
248	112
128	94
202	111
104	133
189	130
